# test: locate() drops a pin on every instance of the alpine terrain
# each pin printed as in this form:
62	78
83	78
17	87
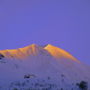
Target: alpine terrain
42	68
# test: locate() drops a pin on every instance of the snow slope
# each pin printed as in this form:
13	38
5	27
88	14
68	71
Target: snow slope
41	68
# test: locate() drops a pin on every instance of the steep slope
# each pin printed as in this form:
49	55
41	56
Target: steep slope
48	66
58	52
22	53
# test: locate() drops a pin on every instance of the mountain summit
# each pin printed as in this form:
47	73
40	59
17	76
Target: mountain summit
58	52
46	67
34	49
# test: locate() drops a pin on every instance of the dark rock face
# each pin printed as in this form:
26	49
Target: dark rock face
1	56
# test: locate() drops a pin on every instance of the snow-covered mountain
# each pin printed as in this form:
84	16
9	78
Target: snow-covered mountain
41	68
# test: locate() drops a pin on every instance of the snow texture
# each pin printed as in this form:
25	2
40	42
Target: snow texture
41	68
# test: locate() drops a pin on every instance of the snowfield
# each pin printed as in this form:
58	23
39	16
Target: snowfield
42	68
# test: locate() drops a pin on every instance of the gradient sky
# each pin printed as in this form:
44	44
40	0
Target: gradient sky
63	23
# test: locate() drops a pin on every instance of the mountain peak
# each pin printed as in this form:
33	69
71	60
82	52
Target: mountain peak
58	52
21	53
48	45
33	50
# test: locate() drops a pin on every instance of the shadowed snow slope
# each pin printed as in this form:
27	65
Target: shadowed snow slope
37	63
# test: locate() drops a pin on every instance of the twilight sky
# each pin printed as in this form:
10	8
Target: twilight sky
63	23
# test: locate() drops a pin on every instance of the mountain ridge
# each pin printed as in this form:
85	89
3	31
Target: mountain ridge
35	49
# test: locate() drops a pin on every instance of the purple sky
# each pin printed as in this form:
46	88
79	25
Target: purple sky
63	23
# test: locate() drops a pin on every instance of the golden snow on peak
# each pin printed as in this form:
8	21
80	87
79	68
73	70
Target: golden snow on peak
33	50
58	52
